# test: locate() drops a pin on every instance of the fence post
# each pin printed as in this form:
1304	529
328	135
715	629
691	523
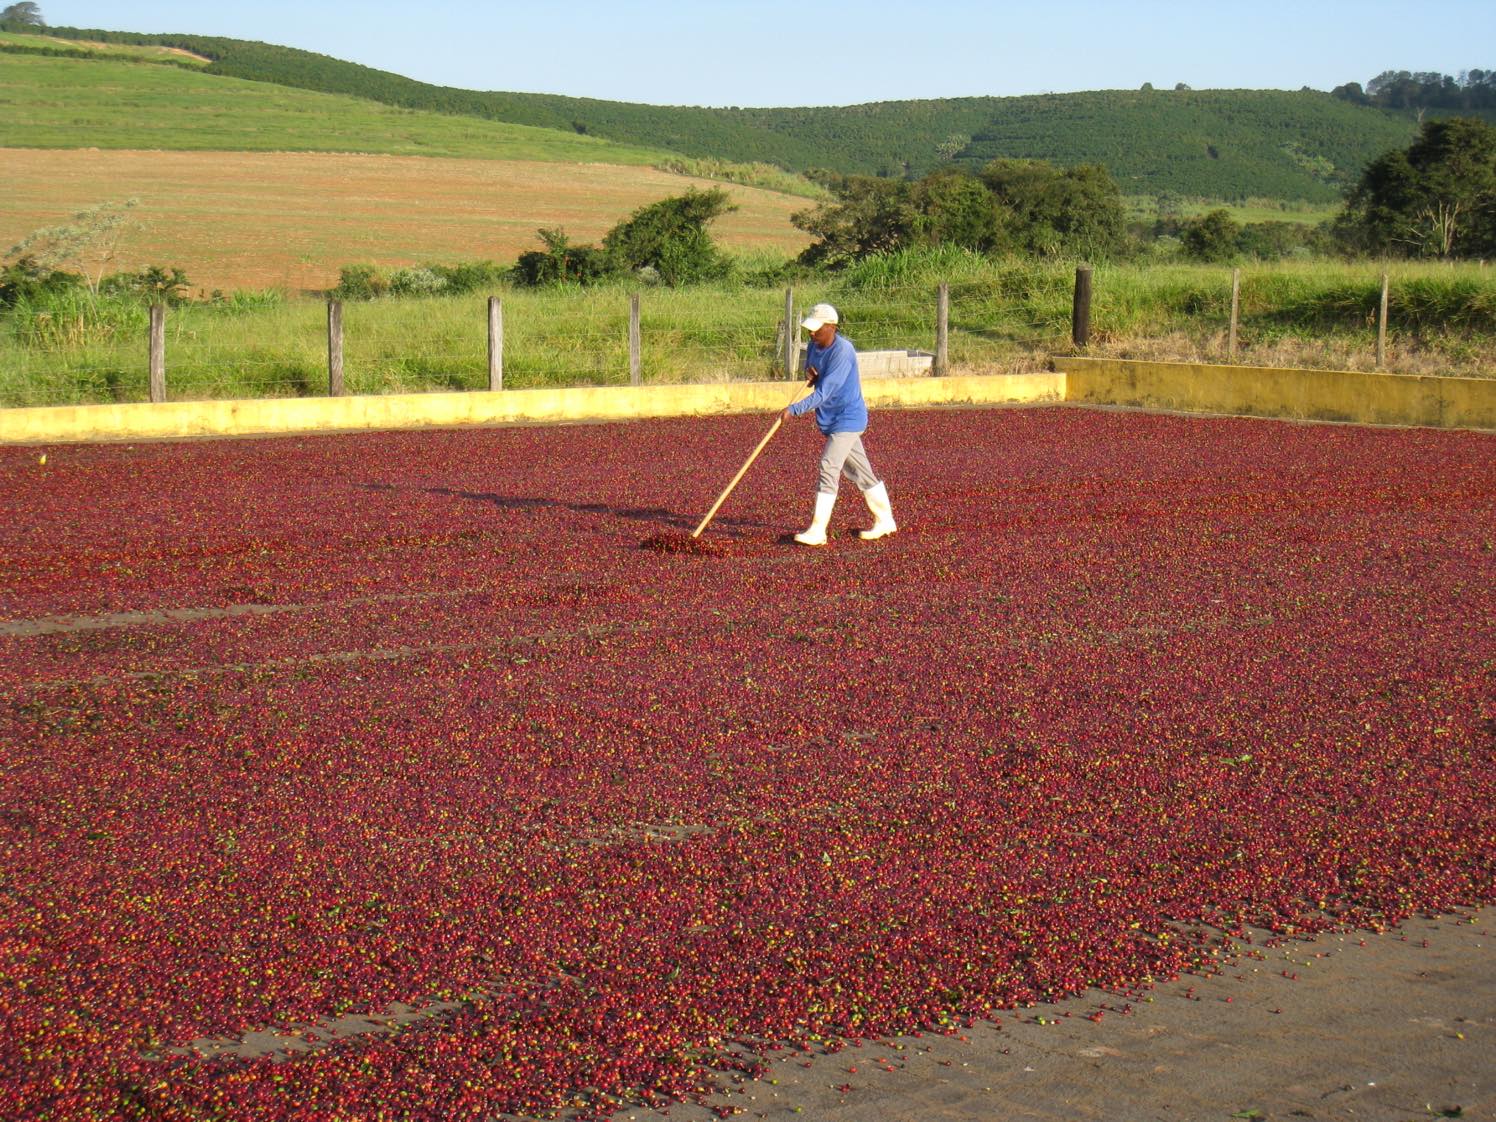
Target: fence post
634	347
1080	312
495	343
158	352
942	331
1235	313
791	333
1382	327
335	348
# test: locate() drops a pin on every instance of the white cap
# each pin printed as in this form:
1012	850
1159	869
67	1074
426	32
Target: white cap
821	313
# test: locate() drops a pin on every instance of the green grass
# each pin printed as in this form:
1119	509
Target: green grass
1005	315
74	103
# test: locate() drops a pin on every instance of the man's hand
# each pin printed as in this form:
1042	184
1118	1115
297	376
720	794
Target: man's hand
786	415
811	374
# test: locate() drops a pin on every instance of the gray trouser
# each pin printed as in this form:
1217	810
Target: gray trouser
844	455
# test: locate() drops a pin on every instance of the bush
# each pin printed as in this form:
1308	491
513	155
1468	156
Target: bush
560	262
1212	237
1273	241
26	280
360	282
416	282
471	275
367	282
670	237
152	285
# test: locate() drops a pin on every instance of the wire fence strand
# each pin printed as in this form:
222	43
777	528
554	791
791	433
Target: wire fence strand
1004	318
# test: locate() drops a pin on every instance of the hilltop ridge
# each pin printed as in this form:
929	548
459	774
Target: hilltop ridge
1228	144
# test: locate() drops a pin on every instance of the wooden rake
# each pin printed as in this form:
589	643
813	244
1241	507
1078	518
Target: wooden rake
742	471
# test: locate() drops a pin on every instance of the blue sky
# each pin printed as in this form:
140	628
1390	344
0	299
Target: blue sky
772	52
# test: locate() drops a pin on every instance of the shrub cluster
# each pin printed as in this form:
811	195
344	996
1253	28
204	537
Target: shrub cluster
1013	206
26	281
368	282
1219	238
55	307
665	242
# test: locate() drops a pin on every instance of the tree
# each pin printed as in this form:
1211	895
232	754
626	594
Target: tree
1422	91
1028	205
1437	198
670	237
89	242
1352	92
951	146
955	208
867	215
1055	211
1213	237
25	15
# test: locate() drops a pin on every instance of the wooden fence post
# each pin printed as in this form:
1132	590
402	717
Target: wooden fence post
335	348
495	343
1235	313
791	333
634	343
942	331
158	352
1382	327
1080	312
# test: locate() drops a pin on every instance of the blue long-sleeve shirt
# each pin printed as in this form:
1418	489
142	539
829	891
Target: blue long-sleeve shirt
837	397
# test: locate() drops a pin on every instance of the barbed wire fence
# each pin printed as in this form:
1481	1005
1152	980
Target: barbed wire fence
1010	320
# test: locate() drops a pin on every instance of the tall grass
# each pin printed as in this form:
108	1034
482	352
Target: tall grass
1005	315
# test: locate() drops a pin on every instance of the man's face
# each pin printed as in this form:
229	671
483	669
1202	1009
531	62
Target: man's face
823	335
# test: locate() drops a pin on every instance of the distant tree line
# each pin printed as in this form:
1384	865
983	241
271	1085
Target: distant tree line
1470	91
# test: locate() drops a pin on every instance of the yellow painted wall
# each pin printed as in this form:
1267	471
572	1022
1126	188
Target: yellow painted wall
177	419
1324	395
1330	395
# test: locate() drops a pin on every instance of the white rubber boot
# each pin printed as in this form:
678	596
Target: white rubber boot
883	523
816	533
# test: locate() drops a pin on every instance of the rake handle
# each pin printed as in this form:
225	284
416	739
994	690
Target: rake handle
742	471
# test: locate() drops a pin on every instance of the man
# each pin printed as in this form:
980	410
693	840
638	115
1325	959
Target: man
841	414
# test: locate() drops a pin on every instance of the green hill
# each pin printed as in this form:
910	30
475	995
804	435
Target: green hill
1221	144
96	103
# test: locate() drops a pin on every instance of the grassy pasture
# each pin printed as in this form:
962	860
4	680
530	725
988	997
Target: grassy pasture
1005	316
73	103
288	220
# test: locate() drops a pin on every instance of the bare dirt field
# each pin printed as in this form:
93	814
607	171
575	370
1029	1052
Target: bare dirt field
291	219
